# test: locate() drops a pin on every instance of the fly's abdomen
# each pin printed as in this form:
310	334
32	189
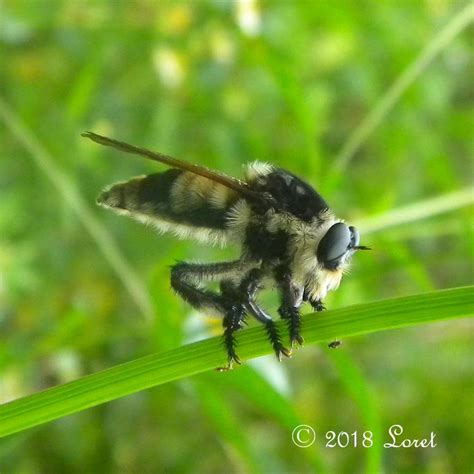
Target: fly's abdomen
177	201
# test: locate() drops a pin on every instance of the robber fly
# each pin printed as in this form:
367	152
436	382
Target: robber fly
287	233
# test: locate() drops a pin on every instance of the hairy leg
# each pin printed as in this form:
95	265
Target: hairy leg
234	319
233	301
241	297
291	297
249	288
185	280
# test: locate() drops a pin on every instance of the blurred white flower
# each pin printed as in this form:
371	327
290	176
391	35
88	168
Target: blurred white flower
248	17
169	67
66	365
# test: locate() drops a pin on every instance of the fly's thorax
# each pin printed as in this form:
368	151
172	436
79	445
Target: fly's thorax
257	170
288	194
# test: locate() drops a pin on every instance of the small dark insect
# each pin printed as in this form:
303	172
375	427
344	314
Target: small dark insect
287	233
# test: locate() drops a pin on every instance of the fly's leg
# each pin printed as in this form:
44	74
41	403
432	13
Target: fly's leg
316	303
233	301
291	297
318	306
185	278
234	319
240	299
250	286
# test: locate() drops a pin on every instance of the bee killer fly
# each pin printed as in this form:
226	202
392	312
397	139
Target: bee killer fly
285	229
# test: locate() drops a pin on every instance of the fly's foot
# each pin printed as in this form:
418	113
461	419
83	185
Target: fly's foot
296	341
233	321
293	318
232	358
318	305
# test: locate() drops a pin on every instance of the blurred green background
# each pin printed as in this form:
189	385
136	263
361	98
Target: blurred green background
220	84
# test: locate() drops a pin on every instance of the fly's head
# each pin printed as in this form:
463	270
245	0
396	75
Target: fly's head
337	246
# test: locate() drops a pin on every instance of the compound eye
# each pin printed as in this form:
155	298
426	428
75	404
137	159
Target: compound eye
355	237
334	245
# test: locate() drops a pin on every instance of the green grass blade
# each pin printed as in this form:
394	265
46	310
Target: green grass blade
358	387
417	211
442	38
73	198
269	402
201	356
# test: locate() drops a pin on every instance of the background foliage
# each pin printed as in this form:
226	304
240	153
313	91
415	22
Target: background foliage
220	84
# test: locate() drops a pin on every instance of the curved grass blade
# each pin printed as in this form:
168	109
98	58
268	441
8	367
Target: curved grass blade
157	369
